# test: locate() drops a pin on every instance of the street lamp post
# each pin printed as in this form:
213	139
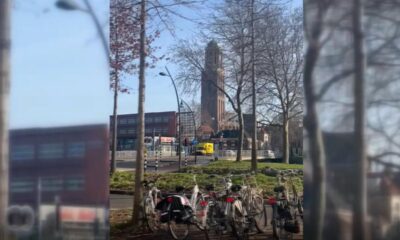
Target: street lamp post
179	114
194	124
71	5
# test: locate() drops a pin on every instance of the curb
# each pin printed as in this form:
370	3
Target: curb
121	192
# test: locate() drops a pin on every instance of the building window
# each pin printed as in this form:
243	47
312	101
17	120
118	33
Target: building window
148	120
157	131
95	144
76	150
165	119
148	130
126	144
122	131
131	131
131	120
165	130
75	183
123	121
22	185
52	184
22	152
51	151
157	119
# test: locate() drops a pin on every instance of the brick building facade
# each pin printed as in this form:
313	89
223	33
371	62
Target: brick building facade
156	123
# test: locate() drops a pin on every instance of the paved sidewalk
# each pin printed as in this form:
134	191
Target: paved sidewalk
199	235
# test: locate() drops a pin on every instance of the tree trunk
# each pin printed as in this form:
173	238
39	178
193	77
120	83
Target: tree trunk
114	136
360	200
254	103
115	111
285	138
5	42
315	187
137	205
241	133
315	200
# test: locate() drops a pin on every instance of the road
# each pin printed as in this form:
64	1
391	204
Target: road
196	234
119	201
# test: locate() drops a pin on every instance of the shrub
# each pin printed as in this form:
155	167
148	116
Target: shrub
210	174
225	167
296	160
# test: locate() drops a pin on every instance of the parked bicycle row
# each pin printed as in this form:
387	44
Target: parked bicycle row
239	210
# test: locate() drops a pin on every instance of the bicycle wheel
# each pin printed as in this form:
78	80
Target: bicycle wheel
150	215
178	231
201	211
300	208
238	220
260	214
274	223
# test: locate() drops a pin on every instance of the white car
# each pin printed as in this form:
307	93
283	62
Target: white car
270	154
230	153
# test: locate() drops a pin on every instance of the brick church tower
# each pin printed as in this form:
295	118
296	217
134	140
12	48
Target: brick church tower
212	99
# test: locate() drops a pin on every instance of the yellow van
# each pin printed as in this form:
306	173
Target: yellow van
205	148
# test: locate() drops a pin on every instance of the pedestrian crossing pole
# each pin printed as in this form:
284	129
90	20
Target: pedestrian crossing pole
186	159
145	162
156	166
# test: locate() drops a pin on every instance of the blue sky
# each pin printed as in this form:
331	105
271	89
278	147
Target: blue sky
59	71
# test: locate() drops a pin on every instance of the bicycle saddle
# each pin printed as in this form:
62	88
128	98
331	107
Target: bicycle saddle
236	188
145	183
210	187
179	189
279	189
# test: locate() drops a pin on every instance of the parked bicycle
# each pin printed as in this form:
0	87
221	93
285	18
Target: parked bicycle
238	209
217	201
152	197
249	213
254	202
180	212
287	207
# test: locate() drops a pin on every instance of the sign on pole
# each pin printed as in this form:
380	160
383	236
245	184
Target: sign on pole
20	219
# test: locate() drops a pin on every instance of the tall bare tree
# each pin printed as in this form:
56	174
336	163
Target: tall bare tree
124	42
281	67
230	26
159	12
5	42
376	65
314	15
360	201
137	201
253	92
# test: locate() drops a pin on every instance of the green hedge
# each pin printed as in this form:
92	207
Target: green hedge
168	181
210	174
296	160
225	167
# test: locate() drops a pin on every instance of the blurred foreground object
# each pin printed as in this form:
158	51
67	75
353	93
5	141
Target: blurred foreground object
358	113
71	5
61	175
5	42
